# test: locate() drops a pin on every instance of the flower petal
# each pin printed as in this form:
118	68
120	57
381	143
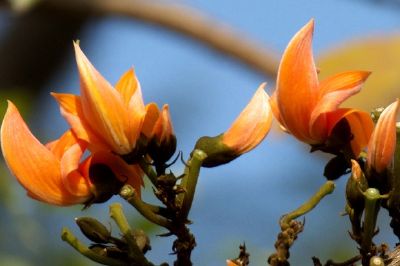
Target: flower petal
131	174
252	125
163	130
77	184
71	110
382	144
35	167
127	86
152	114
297	84
361	126
332	92
102	105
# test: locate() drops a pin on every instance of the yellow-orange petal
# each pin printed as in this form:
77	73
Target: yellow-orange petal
230	263
332	92
60	145
361	126
151	117
77	184
131	93
382	143
252	125
275	110
71	110
297	84
127	86
163	130
103	106
35	167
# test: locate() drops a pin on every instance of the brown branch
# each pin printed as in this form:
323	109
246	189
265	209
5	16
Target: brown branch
184	20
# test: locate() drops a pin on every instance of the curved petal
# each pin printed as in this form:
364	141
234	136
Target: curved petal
152	114
137	113
252	125
71	110
34	166
361	126
59	146
163	127
127	86
297	84
77	184
333	91
382	144
102	105
275	110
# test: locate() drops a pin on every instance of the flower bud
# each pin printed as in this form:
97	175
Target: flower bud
93	229
381	146
248	130
355	187
162	140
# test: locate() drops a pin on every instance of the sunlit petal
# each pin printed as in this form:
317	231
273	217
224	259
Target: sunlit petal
71	110
127	86
150	119
297	84
102	105
336	89
382	144
163	127
252	125
35	166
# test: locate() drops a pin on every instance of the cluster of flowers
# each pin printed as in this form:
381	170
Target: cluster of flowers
115	125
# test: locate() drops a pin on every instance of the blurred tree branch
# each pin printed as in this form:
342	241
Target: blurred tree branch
44	32
41	36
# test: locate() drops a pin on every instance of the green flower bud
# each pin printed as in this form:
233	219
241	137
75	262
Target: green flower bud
93	229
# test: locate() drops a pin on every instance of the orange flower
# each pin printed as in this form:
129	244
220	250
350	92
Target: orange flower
252	125
49	174
246	132
309	109
381	146
53	173
106	117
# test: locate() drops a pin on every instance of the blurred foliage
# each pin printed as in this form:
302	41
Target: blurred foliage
378	54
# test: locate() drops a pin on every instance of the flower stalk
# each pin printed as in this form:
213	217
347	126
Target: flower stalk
71	239
189	181
134	252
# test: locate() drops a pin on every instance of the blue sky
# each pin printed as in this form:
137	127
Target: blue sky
241	201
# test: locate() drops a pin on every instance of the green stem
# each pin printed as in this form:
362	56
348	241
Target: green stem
149	171
148	211
71	239
189	181
134	253
324	190
372	204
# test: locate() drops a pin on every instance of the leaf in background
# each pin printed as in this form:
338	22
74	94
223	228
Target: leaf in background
379	54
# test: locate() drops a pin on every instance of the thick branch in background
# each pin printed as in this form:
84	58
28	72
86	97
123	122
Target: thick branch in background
44	33
35	45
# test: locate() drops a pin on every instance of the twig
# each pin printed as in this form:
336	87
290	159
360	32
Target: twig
129	194
291	228
69	237
183	20
134	252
